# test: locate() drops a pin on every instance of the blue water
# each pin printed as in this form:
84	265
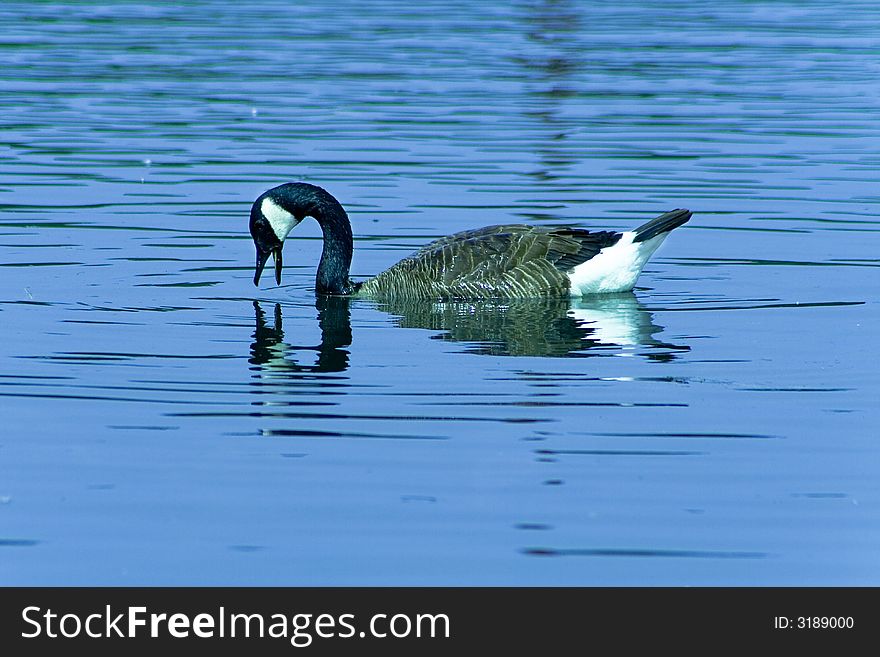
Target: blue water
166	422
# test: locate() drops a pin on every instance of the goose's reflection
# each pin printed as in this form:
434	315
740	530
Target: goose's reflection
539	327
616	324
269	351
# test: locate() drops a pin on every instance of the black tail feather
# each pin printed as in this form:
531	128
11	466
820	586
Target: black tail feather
662	224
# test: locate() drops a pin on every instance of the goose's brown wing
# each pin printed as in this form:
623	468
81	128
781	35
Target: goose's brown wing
506	261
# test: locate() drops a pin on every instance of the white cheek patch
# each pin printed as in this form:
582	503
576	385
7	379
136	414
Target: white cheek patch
281	220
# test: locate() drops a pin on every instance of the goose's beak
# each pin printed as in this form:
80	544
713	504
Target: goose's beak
278	264
262	257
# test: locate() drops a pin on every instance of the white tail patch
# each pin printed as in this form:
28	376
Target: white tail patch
281	220
615	268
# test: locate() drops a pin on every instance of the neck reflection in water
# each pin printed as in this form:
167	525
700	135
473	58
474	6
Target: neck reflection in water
609	325
269	351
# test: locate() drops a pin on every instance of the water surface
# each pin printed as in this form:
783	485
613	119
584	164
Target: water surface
165	422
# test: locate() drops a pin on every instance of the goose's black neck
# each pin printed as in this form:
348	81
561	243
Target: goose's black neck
332	277
304	200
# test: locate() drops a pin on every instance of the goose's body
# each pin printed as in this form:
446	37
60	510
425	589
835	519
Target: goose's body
506	261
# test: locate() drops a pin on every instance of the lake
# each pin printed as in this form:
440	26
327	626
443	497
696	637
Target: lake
164	422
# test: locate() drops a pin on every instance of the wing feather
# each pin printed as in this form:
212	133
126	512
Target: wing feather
506	261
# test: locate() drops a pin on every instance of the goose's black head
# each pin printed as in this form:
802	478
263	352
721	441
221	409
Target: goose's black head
276	212
273	215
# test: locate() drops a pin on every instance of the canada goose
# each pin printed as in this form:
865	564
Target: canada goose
507	261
